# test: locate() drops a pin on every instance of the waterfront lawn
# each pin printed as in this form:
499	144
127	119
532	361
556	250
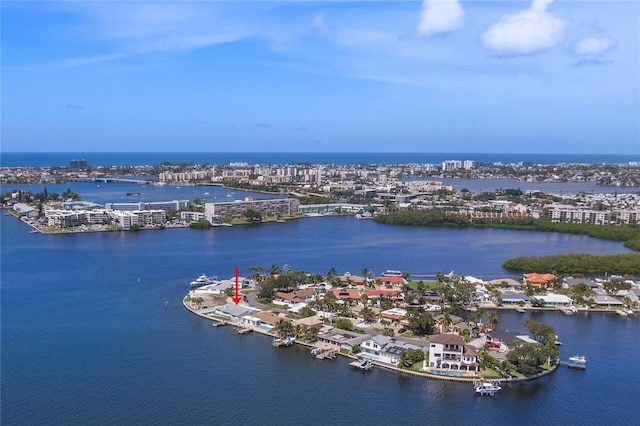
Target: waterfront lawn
428	285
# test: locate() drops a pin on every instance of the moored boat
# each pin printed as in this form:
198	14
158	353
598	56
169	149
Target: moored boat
202	280
486	387
287	341
578	362
362	364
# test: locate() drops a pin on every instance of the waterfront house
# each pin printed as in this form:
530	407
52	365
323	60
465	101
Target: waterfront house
447	352
314	321
514	298
606	301
372	348
633	295
342	338
542	281
393	351
385	349
235	312
555	300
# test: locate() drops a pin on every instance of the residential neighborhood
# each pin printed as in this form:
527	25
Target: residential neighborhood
446	327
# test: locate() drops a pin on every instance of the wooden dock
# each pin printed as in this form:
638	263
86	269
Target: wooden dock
328	354
245	330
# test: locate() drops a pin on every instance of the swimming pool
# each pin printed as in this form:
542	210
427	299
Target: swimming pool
264	327
447	373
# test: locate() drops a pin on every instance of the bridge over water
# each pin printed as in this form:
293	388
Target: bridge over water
112	179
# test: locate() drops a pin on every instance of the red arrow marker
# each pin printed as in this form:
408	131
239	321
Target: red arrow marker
236	299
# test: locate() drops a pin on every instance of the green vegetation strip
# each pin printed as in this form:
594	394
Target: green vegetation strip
628	263
630	234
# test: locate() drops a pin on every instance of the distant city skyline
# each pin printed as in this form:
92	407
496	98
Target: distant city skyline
539	76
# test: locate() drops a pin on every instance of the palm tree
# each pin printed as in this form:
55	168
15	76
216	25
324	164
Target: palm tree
364	299
330	301
367	274
283	328
331	275
492	320
368	315
446	322
256	272
274	269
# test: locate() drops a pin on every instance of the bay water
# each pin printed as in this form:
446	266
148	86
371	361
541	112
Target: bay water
93	331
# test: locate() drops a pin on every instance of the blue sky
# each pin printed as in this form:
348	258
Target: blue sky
435	76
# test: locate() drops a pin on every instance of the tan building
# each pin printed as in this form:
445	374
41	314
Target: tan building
267	208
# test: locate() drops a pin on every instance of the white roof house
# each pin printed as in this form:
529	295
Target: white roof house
552	299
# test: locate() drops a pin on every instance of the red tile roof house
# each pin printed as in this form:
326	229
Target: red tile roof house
347	295
389	282
448	352
392	294
539	280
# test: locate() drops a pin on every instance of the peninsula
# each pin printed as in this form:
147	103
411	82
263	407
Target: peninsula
409	326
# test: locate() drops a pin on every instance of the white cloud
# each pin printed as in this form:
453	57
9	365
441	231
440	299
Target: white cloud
440	16
594	46
526	32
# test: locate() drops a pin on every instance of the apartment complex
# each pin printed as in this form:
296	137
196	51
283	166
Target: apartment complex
125	219
572	214
267	208
155	205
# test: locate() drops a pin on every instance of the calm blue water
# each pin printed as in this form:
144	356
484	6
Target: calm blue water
13	159
117	192
91	333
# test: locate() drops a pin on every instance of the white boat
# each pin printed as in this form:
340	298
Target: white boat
392	273
316	351
202	280
485	387
622	312
577	361
287	341
362	364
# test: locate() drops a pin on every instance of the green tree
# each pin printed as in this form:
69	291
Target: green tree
492	320
306	311
283	328
410	357
344	324
541	332
368	315
421	323
274	269
526	357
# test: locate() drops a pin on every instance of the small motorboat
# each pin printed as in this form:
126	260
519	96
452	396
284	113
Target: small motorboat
485	387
